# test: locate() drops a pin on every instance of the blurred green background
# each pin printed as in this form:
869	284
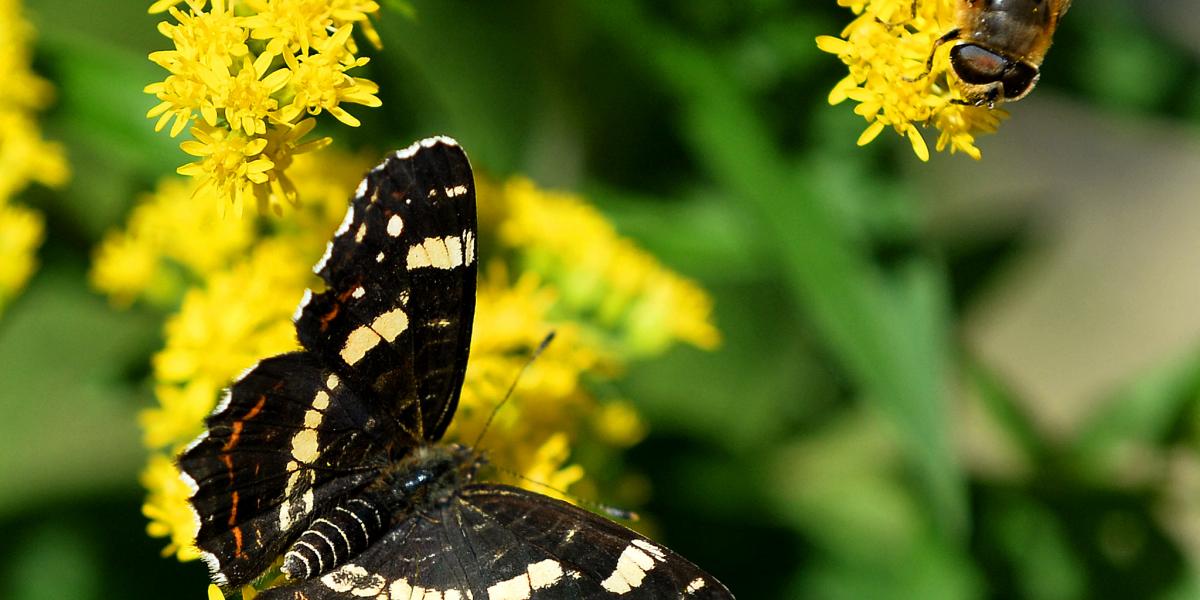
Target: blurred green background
948	380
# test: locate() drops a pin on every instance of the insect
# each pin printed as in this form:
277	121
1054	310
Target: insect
999	47
330	456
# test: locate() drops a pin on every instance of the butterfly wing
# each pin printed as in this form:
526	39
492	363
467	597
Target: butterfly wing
288	437
392	329
395	318
500	542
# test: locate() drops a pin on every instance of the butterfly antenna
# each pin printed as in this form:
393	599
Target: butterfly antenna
532	357
611	511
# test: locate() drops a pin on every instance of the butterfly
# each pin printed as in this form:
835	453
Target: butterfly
331	456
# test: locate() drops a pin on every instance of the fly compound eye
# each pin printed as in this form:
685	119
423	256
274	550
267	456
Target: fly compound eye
1019	80
978	65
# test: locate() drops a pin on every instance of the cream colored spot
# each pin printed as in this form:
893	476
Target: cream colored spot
418	257
354	580
469	245
440	253
358	343
454	250
361	233
537	576
544	574
390	324
304	444
395	225
312	419
457	190
332	382
290	513
379	257
631	569
651	548
321	401
696	585
358	292
516	588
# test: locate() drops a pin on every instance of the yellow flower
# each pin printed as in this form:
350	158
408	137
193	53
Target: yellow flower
886	48
239	317
230	164
631	298
320	83
20	235
167	242
25	157
246	103
166	507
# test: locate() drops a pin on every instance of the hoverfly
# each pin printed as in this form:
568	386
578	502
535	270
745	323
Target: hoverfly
999	45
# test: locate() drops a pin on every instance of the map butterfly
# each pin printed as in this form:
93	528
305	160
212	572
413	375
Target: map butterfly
330	456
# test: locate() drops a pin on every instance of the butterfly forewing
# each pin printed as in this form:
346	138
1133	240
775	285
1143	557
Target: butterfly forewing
395	317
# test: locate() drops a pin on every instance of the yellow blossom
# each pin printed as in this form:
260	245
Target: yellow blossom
637	302
166	507
25	157
320	83
234	321
167	242
886	48
20	235
242	75
230	164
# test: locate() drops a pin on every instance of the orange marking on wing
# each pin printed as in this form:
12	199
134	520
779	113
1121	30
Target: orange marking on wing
327	317
233	437
240	423
262	399
233	510
237	540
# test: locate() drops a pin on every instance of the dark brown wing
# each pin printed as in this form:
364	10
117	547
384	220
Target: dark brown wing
289	437
496	541
395	318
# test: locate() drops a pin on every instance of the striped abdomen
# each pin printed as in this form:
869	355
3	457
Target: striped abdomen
333	539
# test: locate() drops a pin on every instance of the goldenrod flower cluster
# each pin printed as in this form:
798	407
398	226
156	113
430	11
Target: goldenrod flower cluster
886	48
236	283
25	157
247	76
627	298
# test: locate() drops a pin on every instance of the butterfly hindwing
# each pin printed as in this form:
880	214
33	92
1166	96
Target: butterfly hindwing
395	317
504	543
288	437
